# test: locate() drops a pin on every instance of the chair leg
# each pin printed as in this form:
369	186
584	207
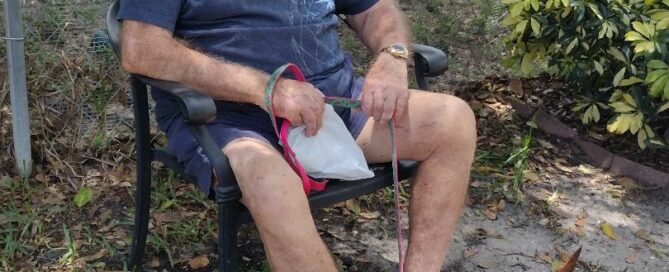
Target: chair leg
228	222
142	205
144	158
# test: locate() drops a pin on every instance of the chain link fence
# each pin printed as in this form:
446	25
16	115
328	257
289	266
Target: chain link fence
78	94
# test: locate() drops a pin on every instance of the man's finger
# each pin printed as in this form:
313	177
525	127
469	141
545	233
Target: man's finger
378	106
310	121
388	109
401	106
367	102
318	111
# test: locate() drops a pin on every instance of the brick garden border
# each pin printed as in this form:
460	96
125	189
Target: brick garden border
597	155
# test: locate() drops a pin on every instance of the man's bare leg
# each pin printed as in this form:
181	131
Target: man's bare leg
438	130
273	193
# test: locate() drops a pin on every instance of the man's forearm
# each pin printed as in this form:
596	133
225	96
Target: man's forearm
155	53
382	25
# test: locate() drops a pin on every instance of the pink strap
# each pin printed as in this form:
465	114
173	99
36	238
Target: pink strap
308	184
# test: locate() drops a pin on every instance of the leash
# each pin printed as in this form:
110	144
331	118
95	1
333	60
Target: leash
309	184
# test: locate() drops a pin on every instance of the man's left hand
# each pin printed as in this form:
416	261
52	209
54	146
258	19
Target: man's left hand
385	94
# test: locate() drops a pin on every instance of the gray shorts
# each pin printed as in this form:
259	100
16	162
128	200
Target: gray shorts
233	121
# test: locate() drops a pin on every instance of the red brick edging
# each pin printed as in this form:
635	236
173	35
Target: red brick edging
598	156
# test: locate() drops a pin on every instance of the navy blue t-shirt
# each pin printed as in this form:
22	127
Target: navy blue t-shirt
264	34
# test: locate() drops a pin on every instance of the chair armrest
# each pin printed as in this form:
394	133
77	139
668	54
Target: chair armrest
429	60
196	108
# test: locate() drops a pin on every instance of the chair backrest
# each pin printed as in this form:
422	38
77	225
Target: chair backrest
114	27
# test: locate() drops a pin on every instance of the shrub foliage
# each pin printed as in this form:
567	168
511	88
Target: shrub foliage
612	53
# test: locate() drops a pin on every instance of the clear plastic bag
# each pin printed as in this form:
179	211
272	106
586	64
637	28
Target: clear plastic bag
330	154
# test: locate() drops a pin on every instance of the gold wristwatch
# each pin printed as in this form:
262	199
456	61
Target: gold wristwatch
397	50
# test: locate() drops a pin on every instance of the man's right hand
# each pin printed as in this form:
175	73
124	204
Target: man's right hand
300	103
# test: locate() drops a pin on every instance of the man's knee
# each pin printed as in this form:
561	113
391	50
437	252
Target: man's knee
457	123
261	171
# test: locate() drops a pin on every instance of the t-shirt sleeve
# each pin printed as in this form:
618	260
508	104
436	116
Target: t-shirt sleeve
162	13
352	7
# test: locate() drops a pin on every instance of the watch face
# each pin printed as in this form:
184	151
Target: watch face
398	48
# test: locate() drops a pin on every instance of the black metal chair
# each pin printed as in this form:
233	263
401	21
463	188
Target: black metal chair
198	109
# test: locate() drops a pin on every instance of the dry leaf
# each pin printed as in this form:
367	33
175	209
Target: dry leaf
490	213
586	169
370	215
353	206
628	183
607	229
544	256
501	205
556	264
531	176
516	86
154	263
470	251
571	263
198	262
167	217
476	184
644	235
634	257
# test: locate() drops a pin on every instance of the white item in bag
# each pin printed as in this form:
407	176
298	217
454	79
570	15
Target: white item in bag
332	153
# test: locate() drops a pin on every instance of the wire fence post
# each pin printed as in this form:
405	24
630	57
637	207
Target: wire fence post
17	87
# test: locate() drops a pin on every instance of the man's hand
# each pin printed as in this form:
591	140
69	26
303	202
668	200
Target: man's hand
385	94
300	103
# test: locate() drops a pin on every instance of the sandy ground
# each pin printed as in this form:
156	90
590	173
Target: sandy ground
519	239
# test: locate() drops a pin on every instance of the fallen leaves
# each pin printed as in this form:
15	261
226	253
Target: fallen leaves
571	263
470	251
633	258
579	224
494	208
83	196
198	262
608	230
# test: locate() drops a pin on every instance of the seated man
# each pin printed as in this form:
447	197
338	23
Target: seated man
226	48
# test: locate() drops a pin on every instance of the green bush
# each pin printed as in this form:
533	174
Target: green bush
612	53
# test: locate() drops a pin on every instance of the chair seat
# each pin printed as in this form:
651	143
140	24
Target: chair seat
336	191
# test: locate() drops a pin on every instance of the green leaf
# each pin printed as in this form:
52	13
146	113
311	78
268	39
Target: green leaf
630	100
637	123
619	76
536	27
565	3
579	107
641	138
643	28
526	64
571	45
516	9
595	113
646	46
510	1
620	124
654	75
511	20
616	53
630	81
535	4
634	36
622	107
598	67
166	204
658	87
663	108
83	196
662	24
520	27
657	64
